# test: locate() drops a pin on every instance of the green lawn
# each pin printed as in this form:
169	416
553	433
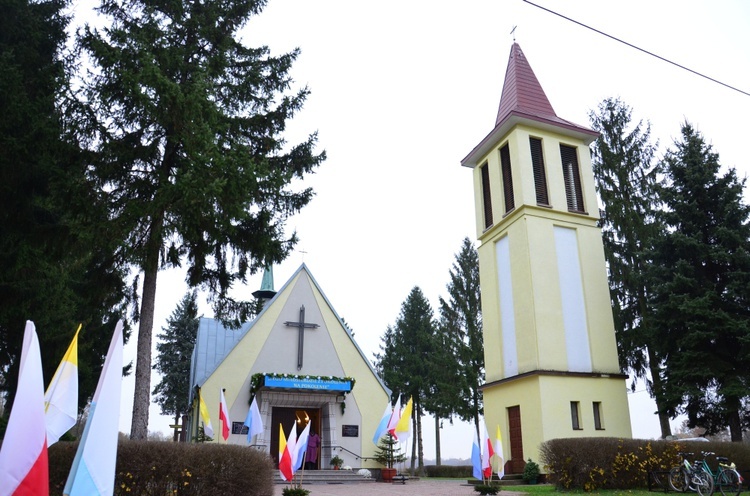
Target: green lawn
548	490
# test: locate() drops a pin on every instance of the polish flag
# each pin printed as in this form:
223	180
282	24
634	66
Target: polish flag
224	416
23	456
488	452
395	417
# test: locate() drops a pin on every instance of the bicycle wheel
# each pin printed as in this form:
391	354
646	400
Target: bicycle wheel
729	482
703	482
678	480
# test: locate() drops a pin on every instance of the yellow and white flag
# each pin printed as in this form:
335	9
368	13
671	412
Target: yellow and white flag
61	398
208	430
403	428
499	454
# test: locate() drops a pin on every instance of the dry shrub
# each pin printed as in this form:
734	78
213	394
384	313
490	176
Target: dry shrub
164	468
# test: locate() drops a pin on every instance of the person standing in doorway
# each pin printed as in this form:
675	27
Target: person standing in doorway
313	443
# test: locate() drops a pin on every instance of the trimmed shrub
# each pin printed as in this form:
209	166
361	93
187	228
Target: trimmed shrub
610	463
159	468
454	471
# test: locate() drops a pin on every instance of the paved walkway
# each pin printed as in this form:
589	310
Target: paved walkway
421	487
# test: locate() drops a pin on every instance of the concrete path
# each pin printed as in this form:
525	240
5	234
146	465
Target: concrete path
422	487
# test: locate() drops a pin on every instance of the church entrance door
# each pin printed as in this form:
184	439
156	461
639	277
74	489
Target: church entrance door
286	417
515	464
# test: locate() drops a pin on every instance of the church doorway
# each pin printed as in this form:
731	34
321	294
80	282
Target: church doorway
299	417
516	463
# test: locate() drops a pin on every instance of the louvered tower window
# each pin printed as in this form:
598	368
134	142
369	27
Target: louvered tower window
540	177
572	177
510	202
486	196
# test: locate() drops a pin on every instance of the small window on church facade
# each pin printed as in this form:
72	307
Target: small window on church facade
572	177
510	202
598	425
486	196
540	176
575	415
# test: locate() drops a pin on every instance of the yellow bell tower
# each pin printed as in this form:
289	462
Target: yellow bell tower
549	342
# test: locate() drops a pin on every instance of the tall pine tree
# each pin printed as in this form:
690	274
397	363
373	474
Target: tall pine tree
461	321
626	178
185	125
404	364
175	349
700	288
53	269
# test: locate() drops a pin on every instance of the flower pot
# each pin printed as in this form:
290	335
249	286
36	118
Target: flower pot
335	467
388	474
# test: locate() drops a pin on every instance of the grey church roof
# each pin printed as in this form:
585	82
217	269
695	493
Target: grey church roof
212	344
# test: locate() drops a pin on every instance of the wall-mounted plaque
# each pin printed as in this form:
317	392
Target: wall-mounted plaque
239	428
350	431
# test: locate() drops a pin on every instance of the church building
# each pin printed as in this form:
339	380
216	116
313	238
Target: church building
551	361
303	365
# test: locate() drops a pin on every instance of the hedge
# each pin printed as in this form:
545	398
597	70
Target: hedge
611	463
179	469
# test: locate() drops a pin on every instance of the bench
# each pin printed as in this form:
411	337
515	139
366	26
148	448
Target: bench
400	477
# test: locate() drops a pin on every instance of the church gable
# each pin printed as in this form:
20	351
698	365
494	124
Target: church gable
301	347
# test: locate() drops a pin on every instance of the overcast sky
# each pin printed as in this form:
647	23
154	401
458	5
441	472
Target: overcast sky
402	90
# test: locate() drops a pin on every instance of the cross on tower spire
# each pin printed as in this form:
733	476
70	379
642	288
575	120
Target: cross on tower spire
301	326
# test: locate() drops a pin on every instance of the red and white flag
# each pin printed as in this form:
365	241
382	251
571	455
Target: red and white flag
488	452
395	417
23	456
224	416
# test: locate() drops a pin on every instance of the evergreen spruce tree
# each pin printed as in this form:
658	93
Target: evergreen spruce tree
461	322
185	130
444	384
175	349
460	332
700	288
388	452
53	270
404	364
626	177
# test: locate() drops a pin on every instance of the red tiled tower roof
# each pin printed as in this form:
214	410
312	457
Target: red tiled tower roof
523	99
524	96
521	89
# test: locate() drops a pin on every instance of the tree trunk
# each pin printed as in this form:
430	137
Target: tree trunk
420	448
735	426
176	435
476	424
142	395
413	442
657	389
438	462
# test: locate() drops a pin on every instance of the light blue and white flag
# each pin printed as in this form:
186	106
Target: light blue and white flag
301	448
93	470
476	459
254	421
382	427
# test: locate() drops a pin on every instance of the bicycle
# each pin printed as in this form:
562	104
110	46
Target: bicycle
727	477
679	475
695	477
